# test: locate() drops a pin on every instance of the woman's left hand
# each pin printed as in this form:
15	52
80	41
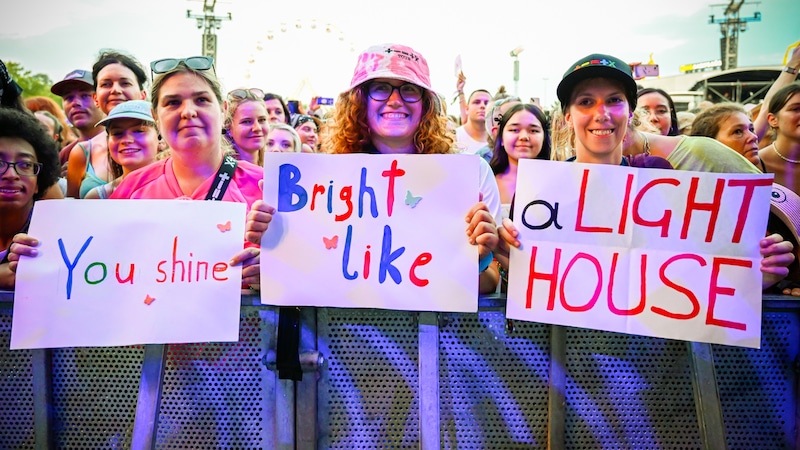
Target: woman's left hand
250	260
21	245
777	254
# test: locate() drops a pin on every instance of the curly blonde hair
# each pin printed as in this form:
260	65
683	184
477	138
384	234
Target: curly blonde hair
351	132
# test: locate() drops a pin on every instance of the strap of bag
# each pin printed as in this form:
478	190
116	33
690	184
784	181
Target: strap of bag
223	178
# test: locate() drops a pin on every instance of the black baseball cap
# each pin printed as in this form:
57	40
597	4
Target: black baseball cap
597	65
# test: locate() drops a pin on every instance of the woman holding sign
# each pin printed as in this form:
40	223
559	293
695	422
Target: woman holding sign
523	133
390	108
187	99
598	96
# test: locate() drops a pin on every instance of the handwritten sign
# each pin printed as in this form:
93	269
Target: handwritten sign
664	253
370	231
125	272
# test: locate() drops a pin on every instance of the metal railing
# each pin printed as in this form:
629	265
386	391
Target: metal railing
395	379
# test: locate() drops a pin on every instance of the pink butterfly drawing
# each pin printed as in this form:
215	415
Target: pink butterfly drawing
330	242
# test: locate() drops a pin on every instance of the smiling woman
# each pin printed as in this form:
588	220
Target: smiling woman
390	108
187	102
117	78
132	142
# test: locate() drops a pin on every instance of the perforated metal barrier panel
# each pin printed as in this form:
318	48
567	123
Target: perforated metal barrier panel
16	391
759	388
628	392
493	382
369	388
94	396
213	394
621	391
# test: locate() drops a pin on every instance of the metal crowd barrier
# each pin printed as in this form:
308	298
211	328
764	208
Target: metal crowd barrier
403	380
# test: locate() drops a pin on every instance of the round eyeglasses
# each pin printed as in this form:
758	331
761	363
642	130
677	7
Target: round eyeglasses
23	168
380	91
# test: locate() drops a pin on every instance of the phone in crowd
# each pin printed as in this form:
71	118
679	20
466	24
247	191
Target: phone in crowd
324	101
645	70
292	104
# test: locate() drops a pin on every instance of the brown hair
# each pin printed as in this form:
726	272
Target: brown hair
707	122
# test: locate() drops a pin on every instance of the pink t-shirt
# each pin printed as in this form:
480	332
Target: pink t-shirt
158	181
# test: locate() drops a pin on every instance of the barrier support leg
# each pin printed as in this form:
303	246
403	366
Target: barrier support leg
429	427
146	421
706	396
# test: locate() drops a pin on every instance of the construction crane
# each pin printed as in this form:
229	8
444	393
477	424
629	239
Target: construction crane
731	26
209	23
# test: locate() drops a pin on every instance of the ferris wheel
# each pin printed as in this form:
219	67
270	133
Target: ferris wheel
301	59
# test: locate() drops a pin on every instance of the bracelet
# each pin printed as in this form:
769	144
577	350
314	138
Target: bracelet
790	69
485	262
461	93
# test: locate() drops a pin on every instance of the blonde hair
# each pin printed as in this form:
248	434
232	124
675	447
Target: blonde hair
562	137
297	145
230	111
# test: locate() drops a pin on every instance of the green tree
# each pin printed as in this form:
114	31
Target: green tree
32	83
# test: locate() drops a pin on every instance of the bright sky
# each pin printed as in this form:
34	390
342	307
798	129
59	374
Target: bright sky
283	47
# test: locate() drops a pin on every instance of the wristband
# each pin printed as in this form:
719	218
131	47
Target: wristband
484	263
790	69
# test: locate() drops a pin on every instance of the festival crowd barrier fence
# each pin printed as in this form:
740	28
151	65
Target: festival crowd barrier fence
407	380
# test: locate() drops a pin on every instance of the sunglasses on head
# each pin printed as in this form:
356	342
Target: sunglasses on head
303	118
241	94
192	62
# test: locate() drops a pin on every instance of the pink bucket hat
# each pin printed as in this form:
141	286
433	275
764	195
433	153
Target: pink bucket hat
393	61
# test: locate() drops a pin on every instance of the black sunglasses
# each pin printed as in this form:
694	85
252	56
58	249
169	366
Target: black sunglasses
192	62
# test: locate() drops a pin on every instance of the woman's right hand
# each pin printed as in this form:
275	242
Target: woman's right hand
508	237
258	220
21	245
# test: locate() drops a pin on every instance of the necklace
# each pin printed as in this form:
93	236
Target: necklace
793	161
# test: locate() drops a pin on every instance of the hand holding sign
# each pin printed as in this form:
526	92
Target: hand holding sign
355	234
671	254
170	282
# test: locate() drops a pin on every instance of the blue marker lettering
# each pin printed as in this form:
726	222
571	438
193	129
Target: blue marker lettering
388	256
72	265
288	176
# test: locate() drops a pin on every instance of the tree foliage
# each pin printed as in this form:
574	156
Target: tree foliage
32	83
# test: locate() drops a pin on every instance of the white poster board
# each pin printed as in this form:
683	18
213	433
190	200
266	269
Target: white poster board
652	252
370	231
126	272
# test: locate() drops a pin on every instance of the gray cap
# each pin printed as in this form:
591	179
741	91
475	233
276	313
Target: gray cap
132	109
77	79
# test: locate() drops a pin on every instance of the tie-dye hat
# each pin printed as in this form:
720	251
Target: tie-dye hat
392	61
